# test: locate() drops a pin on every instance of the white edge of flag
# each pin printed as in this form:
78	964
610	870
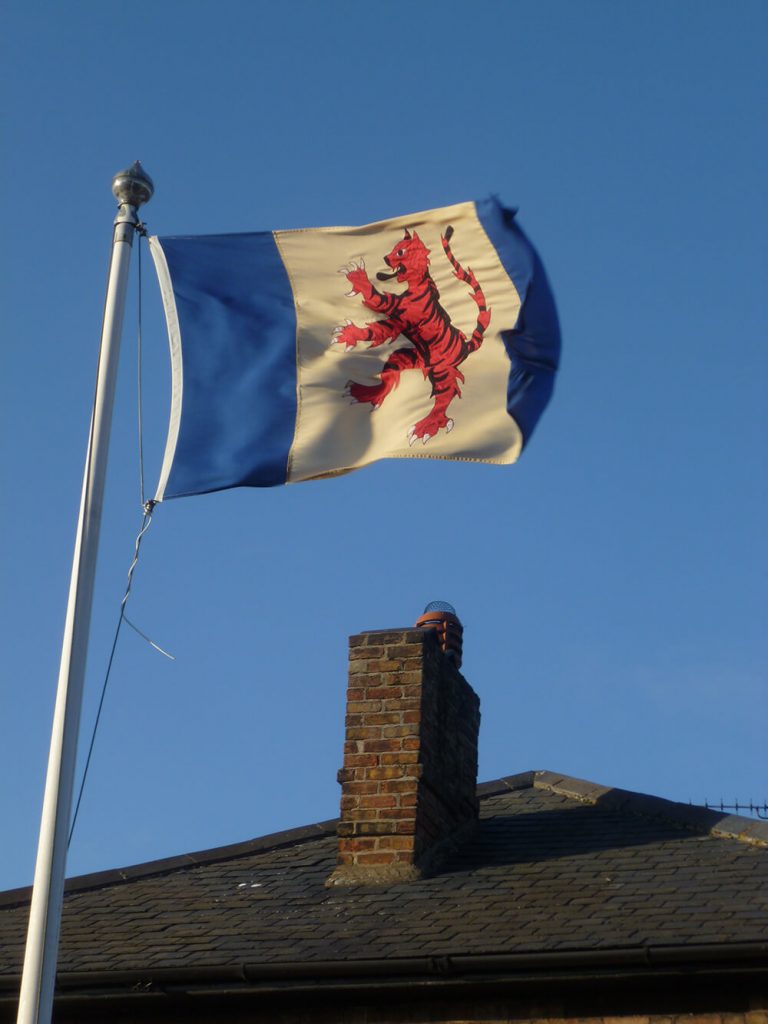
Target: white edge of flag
177	378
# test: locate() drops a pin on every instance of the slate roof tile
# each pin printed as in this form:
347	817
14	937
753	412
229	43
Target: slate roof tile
555	864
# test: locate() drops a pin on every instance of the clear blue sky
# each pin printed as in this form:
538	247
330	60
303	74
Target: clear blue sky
612	584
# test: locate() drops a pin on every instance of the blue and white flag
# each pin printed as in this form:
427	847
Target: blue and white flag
303	354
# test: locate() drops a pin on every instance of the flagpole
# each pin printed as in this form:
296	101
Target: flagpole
131	188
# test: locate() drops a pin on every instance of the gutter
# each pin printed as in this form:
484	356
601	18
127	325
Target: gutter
640	963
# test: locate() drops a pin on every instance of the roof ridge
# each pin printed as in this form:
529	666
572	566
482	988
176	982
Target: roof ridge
163	865
506	784
699	819
274	840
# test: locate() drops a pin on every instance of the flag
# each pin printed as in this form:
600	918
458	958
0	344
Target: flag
303	354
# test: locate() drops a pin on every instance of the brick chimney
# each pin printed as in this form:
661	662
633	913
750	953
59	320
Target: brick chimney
408	785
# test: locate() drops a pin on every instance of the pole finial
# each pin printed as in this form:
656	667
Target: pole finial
133	185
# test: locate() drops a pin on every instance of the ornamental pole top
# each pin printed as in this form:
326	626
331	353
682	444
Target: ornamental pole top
133	186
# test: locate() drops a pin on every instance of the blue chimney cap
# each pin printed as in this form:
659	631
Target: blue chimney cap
440	606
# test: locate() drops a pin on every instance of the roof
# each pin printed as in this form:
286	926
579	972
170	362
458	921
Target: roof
557	867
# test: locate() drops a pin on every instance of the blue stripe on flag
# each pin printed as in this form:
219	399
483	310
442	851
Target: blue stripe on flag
533	345
238	331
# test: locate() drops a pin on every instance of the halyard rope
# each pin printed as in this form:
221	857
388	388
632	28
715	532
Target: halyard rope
147	509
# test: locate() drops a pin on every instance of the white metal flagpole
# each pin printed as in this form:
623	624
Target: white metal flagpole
131	188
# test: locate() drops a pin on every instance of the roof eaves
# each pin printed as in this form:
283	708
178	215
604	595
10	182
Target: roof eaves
586	964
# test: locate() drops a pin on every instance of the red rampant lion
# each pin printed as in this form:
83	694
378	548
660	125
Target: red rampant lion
437	348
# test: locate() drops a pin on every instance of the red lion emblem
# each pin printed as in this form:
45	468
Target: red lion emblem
437	348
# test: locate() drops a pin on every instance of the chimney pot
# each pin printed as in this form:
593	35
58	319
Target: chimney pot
441	616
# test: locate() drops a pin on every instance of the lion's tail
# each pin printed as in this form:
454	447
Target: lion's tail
484	314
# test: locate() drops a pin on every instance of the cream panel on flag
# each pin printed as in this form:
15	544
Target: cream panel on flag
429	412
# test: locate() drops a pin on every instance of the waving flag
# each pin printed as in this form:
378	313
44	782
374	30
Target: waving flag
303	354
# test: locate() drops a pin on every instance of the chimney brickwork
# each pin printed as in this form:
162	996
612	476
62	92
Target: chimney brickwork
410	758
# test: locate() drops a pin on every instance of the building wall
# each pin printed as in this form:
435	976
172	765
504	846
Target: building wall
389	1015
